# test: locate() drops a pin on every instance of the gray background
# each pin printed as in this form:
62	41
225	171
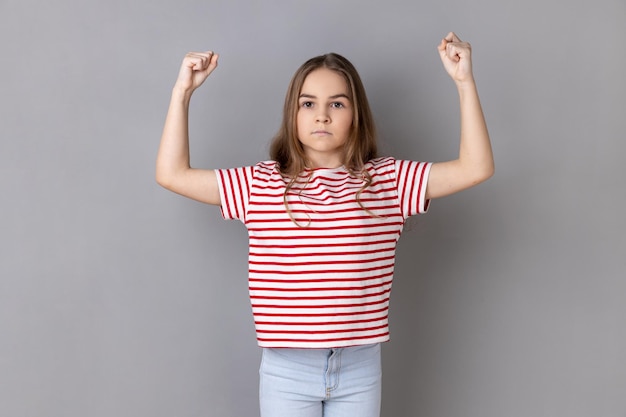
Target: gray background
118	298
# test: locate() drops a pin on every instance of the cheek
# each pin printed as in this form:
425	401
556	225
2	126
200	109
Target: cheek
299	124
348	122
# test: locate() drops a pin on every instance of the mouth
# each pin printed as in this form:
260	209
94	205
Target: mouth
321	133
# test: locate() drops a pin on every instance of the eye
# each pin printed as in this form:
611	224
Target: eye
306	104
337	105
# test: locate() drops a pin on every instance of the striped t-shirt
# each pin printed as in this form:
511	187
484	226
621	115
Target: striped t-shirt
325	280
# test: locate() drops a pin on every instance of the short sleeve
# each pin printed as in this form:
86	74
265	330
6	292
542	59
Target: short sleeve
411	181
234	188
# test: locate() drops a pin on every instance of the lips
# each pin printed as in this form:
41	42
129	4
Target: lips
321	132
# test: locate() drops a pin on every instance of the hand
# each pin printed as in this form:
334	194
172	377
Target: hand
195	68
456	57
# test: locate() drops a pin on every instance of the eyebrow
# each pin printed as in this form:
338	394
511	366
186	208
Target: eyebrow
342	95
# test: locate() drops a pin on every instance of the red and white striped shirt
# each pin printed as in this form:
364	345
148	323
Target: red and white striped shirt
324	282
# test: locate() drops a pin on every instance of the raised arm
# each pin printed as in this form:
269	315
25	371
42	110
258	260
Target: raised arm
475	162
173	170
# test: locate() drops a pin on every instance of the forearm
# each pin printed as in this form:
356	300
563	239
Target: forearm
173	155
173	170
475	153
475	162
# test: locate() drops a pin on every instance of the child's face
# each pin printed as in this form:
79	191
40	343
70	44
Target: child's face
324	119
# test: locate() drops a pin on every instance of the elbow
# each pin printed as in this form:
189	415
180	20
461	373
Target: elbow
490	171
166	174
163	179
483	174
159	179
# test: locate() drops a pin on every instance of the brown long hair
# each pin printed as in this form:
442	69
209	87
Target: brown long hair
360	147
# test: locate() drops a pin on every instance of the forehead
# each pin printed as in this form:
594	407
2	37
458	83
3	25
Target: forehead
325	82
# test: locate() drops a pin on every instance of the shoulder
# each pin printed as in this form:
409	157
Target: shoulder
400	169
381	163
382	166
267	165
265	169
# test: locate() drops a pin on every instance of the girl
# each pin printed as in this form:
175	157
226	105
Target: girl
323	217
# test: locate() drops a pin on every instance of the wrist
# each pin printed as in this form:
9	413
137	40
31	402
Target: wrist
465	84
180	92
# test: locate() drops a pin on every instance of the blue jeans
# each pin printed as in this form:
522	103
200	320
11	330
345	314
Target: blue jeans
342	382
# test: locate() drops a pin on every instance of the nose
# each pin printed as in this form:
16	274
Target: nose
322	117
